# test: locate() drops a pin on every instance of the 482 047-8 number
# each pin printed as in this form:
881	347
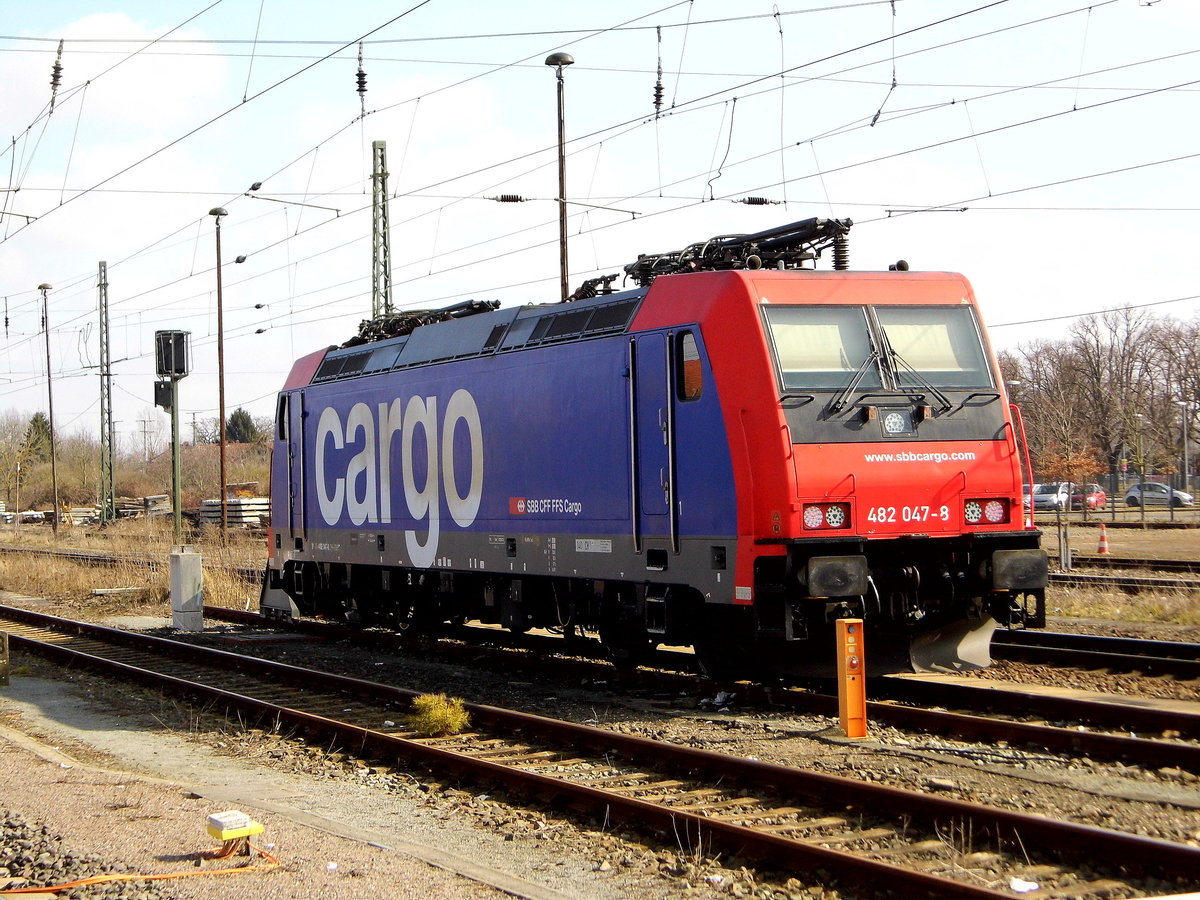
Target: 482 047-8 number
908	514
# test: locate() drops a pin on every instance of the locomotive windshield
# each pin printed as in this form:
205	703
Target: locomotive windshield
890	347
938	343
822	346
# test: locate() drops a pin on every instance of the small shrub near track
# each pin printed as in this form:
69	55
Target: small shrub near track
436	715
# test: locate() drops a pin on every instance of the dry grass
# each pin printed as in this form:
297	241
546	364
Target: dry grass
128	586
1157	607
142	535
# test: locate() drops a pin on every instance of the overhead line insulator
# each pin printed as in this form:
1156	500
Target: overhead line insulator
56	76
362	81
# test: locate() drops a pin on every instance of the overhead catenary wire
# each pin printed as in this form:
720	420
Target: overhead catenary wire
253	49
230	110
1014	124
1037	21
911	150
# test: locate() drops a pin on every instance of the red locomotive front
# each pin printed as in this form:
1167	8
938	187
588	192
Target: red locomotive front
877	464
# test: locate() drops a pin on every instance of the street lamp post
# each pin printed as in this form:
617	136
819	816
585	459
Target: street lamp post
45	288
558	60
1187	423
217	212
1141	421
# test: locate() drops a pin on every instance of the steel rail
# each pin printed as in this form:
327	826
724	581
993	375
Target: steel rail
1125	646
1091	652
1124	582
1157	857
1015	703
1187	566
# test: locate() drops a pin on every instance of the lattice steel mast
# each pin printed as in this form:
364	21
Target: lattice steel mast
381	256
108	499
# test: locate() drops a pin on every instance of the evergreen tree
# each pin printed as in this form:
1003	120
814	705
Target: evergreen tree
37	438
240	428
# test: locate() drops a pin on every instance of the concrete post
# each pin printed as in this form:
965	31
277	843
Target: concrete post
187	590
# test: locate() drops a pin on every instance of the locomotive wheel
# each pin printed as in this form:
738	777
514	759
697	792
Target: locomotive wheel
724	651
623	632
627	644
724	662
396	613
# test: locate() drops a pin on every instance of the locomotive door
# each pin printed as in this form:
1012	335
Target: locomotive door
296	445
652	437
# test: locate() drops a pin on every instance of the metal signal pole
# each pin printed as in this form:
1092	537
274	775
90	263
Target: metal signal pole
217	212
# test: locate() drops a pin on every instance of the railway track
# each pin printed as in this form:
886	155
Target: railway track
1177	659
1129	583
863	833
899	702
1151	658
1185	566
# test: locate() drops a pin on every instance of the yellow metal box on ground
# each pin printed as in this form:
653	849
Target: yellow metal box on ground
231	825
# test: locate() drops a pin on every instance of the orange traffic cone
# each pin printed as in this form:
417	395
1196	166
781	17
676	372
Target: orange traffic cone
1103	540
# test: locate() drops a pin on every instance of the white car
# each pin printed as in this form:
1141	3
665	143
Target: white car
1151	493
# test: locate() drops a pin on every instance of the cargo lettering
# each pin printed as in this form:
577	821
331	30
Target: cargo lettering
363	491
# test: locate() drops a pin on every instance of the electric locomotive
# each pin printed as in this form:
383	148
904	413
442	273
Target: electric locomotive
731	455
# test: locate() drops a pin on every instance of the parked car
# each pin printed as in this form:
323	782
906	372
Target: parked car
1151	493
1088	496
1027	494
1052	495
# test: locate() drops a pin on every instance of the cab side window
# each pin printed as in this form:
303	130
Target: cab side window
689	376
281	419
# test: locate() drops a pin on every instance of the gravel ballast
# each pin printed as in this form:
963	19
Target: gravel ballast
31	855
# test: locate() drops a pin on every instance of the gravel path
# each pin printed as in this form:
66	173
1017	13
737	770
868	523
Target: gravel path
336	836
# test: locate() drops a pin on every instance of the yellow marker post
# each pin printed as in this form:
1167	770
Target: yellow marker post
852	686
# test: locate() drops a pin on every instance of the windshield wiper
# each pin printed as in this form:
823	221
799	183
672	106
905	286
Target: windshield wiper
924	382
839	402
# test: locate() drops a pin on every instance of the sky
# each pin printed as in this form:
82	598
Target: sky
1046	149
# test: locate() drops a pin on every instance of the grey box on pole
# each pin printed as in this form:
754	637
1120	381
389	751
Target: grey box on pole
187	590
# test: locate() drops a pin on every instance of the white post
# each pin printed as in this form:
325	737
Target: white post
187	590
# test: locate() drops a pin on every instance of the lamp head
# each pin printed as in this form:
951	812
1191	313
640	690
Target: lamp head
217	211
560	59
45	287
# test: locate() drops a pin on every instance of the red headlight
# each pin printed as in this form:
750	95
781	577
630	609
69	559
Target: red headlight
827	515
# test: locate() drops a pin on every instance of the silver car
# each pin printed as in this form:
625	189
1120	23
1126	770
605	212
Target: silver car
1151	493
1052	495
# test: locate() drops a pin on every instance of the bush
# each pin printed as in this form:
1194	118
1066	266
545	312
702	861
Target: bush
436	715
